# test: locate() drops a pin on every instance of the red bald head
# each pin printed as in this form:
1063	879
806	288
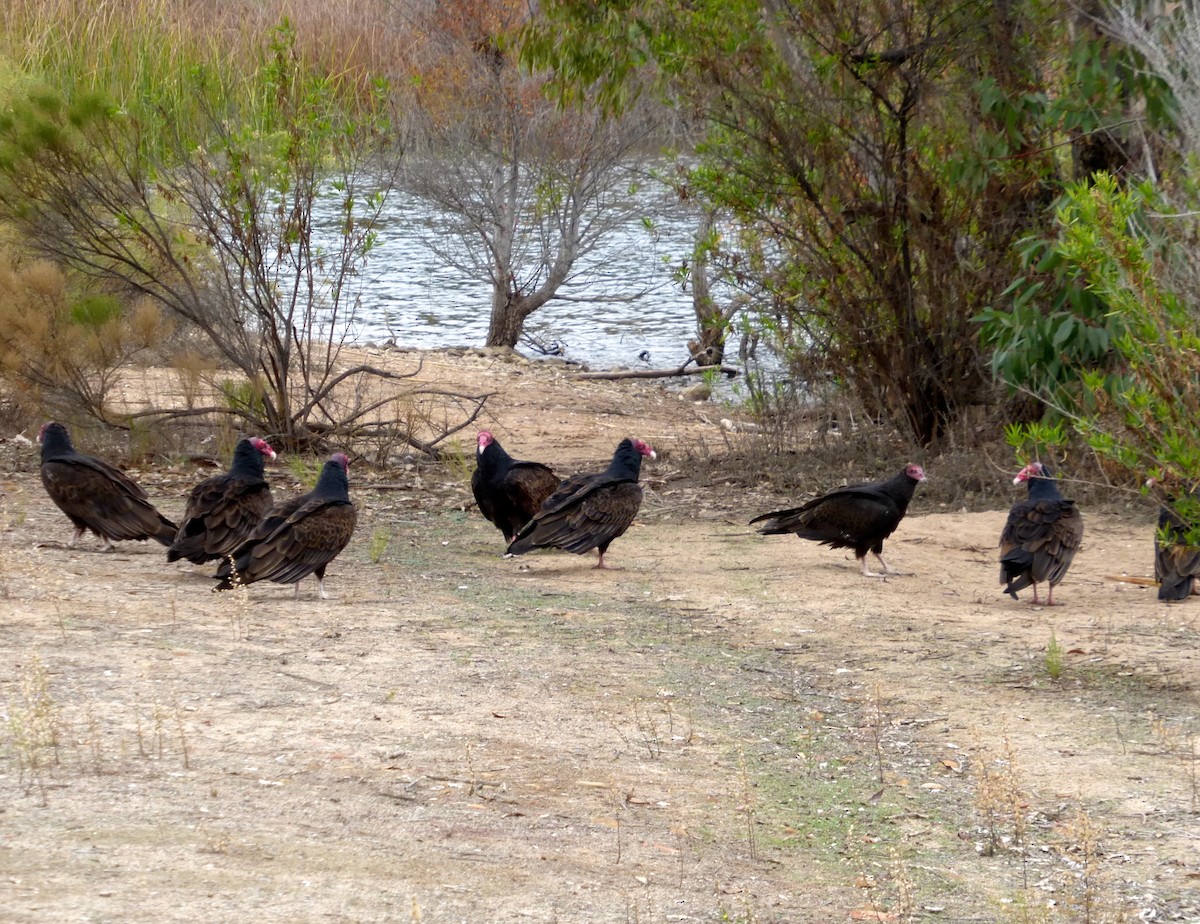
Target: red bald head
263	446
1032	470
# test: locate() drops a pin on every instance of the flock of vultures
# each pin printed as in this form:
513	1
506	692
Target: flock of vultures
233	519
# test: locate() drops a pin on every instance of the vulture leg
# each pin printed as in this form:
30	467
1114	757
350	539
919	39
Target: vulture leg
867	572
320	589
1035	596
296	594
108	545
75	538
887	569
600	566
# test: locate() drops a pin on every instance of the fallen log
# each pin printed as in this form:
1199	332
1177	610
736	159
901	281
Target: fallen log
729	371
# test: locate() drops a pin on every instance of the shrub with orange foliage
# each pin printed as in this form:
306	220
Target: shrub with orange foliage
61	355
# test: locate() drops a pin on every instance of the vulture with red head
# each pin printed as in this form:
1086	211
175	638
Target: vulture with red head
589	511
858	516
1041	536
298	537
96	495
508	491
223	510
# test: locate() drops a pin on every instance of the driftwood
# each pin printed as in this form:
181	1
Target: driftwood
729	371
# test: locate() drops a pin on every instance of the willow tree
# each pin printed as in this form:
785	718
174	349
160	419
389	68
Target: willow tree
523	191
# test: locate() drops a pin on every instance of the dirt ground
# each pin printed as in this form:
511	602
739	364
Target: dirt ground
729	728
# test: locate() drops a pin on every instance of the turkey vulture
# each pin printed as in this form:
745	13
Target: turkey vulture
299	537
96	495
589	511
508	491
223	510
1041	536
1176	563
858	516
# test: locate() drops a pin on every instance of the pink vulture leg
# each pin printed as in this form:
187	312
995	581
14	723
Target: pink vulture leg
887	569
600	566
320	589
867	572
108	545
75	538
1035	596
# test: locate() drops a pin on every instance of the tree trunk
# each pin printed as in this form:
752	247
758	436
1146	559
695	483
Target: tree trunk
507	322
711	321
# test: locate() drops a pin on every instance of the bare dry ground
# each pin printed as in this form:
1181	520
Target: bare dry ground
729	728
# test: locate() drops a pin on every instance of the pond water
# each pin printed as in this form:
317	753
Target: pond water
624	302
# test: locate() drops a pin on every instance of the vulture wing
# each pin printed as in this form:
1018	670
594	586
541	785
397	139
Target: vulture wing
589	517
858	517
221	514
297	542
98	496
1038	542
589	511
528	485
1176	564
299	537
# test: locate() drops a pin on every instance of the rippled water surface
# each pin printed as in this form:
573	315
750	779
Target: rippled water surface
420	300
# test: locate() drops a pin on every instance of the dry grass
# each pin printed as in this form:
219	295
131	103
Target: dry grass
61	354
1001	803
146	51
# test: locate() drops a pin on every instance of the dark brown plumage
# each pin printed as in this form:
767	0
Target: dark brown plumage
1176	563
1041	536
1176	560
223	510
508	491
299	537
589	511
858	516
96	495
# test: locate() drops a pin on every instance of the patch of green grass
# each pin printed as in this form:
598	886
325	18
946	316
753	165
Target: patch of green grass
305	470
459	464
242	396
1053	661
378	544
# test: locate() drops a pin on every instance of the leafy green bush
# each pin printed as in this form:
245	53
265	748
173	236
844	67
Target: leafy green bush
1118	354
1056	327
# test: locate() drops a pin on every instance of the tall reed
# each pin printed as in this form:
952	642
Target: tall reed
155	56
